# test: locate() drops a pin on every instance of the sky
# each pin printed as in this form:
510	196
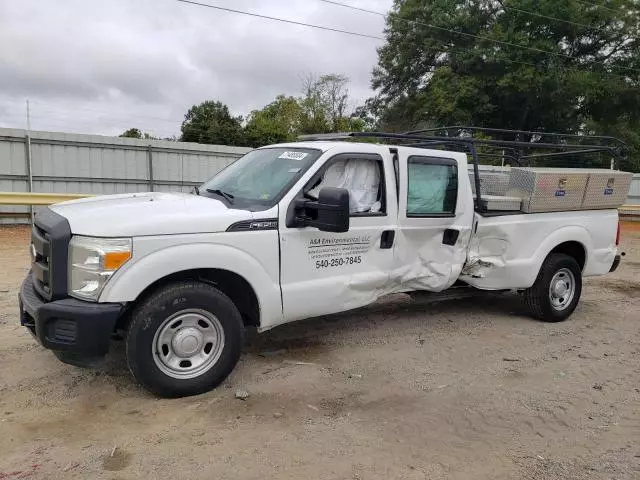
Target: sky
96	66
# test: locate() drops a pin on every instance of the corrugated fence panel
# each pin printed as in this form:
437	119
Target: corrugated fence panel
187	167
98	165
173	188
94	164
88	162
634	191
13	157
103	188
13	214
167	166
196	167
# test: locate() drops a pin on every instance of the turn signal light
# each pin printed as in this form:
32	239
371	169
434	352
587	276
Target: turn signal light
114	260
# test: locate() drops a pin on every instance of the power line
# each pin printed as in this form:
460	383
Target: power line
589	4
529	64
284	20
584	25
548	52
464	34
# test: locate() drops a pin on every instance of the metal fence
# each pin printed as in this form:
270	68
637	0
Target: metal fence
52	162
634	191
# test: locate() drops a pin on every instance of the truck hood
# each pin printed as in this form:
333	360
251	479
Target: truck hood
154	213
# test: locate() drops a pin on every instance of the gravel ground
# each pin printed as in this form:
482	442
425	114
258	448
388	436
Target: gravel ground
402	389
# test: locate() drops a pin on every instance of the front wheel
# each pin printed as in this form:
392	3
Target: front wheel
184	339
556	291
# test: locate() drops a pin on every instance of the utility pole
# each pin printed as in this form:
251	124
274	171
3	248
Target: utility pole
29	165
28	117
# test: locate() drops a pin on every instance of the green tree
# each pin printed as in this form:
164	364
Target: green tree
325	105
314	113
211	122
456	62
131	133
136	133
275	123
334	95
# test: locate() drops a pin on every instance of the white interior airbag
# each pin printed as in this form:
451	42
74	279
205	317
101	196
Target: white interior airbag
360	177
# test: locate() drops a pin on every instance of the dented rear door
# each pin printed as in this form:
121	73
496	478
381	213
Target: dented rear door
434	220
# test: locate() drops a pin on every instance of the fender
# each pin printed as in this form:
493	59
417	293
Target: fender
571	233
129	282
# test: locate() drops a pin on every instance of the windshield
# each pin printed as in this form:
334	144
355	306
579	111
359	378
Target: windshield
260	178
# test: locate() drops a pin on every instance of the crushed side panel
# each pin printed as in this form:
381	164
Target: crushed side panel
422	262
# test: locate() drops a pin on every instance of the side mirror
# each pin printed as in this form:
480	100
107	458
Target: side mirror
329	214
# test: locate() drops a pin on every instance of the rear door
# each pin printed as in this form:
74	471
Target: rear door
435	217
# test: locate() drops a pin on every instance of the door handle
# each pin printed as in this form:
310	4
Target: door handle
386	240
450	236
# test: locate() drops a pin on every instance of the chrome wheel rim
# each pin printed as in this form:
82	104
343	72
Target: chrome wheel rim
562	289
188	343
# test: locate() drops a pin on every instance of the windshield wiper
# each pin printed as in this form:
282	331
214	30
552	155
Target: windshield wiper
227	196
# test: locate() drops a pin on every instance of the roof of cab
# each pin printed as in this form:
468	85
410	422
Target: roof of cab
361	147
325	146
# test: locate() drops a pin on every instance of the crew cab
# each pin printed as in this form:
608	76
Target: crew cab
287	232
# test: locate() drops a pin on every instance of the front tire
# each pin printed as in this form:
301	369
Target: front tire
557	289
184	339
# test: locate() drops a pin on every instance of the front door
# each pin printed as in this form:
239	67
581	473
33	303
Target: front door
435	217
323	272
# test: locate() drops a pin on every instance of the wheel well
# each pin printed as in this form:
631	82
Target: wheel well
575	250
231	284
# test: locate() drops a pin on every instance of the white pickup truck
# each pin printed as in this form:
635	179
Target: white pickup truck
287	232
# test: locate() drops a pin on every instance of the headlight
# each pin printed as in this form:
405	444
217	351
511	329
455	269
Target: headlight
92	261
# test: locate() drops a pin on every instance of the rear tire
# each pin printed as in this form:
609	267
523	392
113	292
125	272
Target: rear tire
184	339
557	289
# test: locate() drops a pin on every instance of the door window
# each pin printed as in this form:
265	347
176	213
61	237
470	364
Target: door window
432	188
362	177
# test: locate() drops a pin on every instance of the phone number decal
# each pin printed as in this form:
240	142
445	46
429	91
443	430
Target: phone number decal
338	262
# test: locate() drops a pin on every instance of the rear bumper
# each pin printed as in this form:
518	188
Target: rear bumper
616	263
69	327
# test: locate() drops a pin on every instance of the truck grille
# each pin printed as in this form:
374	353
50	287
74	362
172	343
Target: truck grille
50	238
41	271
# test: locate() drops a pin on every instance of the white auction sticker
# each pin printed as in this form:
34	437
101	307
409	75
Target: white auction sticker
293	155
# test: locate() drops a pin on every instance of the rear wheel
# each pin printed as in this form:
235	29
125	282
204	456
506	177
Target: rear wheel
556	291
184	339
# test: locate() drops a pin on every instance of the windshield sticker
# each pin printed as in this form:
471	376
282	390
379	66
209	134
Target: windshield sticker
294	170
293	155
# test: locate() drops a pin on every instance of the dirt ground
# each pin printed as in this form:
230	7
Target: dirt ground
464	389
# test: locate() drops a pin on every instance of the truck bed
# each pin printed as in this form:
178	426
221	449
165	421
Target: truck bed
506	251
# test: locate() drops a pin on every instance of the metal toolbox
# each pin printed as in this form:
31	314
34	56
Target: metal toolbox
606	189
491	183
548	189
494	203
